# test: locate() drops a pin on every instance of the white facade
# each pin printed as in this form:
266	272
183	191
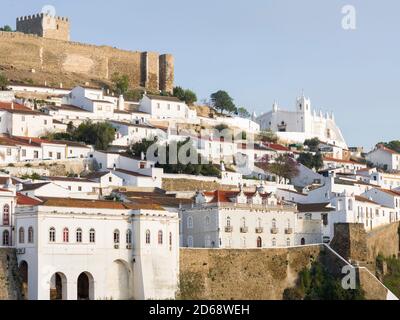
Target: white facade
302	124
166	108
102	250
384	158
240	220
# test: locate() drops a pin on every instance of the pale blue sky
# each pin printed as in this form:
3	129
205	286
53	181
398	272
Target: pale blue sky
260	50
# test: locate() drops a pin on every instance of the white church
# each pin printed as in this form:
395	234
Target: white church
301	124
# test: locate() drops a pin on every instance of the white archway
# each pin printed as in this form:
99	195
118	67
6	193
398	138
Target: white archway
58	286
119	281
85	286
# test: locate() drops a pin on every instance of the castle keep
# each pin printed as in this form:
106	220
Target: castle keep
42	51
46	26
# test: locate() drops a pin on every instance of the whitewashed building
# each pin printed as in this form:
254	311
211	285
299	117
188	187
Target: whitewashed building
240	220
385	158
301	124
76	249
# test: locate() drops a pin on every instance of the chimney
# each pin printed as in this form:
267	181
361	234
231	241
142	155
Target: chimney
30	141
12	105
61	85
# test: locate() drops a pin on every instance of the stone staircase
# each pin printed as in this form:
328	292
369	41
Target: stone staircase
10	282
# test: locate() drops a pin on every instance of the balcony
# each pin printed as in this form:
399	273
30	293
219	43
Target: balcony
259	230
274	230
244	230
228	229
288	231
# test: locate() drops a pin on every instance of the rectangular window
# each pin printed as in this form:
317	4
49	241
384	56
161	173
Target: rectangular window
23	118
9	151
58	155
50	154
79	188
45	122
23	152
36	154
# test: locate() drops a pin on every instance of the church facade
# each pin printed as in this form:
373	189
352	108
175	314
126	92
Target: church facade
301	124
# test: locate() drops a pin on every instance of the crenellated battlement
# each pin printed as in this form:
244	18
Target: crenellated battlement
40	16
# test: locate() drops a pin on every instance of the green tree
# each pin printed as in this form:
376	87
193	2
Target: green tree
99	134
312	144
121	83
137	148
318	161
134	95
221	101
393	145
306	159
3	82
6	28
268	136
284	166
243	112
185	95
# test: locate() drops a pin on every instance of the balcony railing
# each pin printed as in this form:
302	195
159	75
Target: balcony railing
288	231
244	230
259	230
228	229
274	230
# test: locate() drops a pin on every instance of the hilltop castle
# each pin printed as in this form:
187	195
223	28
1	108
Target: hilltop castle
45	25
50	61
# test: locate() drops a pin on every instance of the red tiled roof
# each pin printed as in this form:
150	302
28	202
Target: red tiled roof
383	148
27	201
391	192
277	147
342	161
223	196
363	199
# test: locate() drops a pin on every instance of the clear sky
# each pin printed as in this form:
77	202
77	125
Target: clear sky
260	50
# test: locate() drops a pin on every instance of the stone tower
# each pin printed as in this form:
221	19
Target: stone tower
45	25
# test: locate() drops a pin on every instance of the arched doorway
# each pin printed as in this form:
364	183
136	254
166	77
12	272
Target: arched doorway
303	241
119	280
85	286
259	242
23	271
58	286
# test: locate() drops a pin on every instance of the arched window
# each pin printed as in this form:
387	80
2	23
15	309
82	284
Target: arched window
116	236
21	235
79	235
6	215
30	234
274	223
65	235
52	234
129	236
92	236
160	237
228	221
147	236
259	242
6	238
190	222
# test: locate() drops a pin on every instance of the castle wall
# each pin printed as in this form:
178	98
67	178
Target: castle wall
10	282
261	274
74	63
